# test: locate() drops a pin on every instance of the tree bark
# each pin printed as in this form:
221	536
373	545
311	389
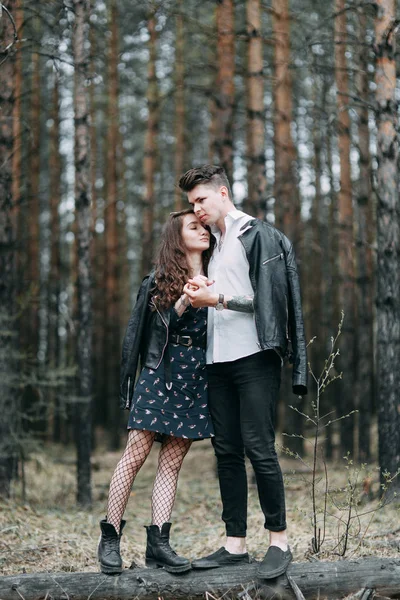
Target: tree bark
83	222
287	199
346	238
111	350
364	258
332	307
17	124
314	290
8	300
54	286
388	242
31	337
150	145
225	92
97	252
179	102
318	579
255	203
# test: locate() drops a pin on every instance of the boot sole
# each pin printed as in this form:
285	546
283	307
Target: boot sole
111	570
152	564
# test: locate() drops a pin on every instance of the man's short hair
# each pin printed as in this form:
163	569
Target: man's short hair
207	175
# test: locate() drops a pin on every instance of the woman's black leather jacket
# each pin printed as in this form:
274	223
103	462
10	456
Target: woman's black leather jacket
145	339
277	307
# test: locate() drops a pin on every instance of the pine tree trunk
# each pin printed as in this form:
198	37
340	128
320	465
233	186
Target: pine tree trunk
17	124
54	286
332	307
150	145
83	220
8	301
346	237
123	265
314	289
365	238
111	352
96	249
225	92
212	128
31	337
179	102
388	241
287	199
255	203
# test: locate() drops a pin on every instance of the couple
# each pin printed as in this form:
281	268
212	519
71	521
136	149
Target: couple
211	326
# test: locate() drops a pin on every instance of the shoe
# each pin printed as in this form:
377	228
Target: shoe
275	563
108	550
159	553
220	558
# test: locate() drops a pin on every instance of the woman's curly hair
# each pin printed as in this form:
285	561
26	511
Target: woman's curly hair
171	267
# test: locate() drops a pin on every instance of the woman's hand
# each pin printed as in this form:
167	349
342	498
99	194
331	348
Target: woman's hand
197	289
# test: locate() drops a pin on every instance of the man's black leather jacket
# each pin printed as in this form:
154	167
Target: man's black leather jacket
277	307
277	299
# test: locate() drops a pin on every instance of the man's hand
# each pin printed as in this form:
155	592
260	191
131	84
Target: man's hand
197	289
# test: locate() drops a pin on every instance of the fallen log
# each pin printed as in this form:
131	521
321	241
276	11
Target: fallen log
315	580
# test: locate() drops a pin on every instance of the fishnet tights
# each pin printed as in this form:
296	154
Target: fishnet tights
172	453
137	450
170	459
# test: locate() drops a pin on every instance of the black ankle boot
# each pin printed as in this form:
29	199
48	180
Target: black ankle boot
160	554
108	549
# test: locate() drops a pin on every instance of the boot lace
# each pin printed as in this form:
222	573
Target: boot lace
111	543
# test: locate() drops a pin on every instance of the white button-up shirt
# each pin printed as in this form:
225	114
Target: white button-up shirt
230	334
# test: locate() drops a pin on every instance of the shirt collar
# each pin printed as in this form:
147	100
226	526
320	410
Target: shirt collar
233	215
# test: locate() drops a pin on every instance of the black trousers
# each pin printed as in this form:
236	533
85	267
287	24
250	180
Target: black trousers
242	402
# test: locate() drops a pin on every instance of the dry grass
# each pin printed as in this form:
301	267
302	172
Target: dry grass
49	533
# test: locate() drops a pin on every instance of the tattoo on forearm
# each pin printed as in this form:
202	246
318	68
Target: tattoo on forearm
241	304
181	305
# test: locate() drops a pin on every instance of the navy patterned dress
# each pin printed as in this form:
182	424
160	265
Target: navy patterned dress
181	411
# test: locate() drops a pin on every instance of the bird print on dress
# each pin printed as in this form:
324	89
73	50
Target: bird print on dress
181	411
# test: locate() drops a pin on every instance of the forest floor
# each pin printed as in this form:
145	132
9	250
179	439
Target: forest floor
47	532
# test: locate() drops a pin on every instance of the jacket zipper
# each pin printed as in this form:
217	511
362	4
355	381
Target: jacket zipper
127	393
273	258
166	342
253	282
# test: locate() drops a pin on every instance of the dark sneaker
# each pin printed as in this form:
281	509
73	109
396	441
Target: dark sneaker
220	558
275	563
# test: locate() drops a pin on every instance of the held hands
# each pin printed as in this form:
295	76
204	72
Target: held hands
198	292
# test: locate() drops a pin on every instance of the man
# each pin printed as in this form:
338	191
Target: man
254	310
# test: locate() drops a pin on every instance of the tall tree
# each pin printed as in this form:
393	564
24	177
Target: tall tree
8	405
314	289
32	326
17	117
364	257
255	203
179	101
225	88
83	220
388	241
111	351
150	144
287	199
346	236
54	284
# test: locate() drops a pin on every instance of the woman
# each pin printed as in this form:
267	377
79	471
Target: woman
169	401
